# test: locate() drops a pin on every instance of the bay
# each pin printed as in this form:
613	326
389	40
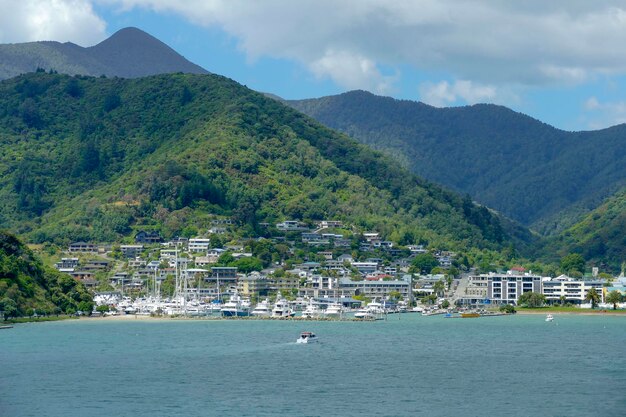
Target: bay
407	365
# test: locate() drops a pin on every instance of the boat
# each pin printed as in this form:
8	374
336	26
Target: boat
312	311
470	314
6	326
334	310
262	309
282	309
549	317
372	311
235	307
307	337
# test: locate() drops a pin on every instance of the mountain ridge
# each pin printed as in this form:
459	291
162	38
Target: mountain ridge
499	156
128	53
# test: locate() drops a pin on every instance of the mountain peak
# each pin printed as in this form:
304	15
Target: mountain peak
128	53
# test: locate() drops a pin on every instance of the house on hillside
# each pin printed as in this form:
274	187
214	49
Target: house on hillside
148	237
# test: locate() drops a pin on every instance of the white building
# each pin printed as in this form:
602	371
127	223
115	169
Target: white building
199	244
572	290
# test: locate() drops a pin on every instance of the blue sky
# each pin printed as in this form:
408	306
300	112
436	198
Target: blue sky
561	62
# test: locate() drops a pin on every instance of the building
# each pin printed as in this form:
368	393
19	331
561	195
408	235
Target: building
291	225
328	224
500	288
131	251
375	289
571	290
82	247
199	244
147	237
67	264
253	284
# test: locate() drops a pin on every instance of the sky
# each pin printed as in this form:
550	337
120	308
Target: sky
560	61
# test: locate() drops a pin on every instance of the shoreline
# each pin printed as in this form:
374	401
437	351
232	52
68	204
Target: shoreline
574	313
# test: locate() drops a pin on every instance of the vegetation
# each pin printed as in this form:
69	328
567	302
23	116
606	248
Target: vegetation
531	299
519	166
507	308
614	297
27	287
593	297
127	154
600	237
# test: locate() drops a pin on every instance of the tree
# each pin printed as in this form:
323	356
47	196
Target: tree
423	263
449	281
573	262
395	295
102	309
593	297
614	297
9	307
439	287
531	299
445	304
507	308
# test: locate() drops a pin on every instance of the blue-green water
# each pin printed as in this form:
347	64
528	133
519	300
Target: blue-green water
408	365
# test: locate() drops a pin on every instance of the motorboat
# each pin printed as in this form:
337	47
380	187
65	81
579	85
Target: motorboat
334	310
282	309
235	307
312	311
549	317
307	337
262	309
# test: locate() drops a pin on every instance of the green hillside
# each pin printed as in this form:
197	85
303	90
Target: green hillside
540	176
92	158
25	284
600	237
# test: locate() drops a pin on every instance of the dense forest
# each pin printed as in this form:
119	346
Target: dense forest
27	287
545	178
600	237
84	158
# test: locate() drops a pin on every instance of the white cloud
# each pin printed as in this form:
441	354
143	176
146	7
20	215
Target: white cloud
59	20
443	93
489	42
602	114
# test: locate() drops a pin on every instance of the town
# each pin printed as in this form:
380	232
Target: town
327	264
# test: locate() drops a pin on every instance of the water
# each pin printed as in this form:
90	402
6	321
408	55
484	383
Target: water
408	365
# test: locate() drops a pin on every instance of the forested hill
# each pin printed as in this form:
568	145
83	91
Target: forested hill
25	284
538	175
86	158
599	237
128	53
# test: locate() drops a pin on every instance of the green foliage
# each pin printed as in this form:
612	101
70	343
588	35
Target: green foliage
423	263
531	299
593	297
26	284
507	308
573	262
525	169
126	152
445	304
614	297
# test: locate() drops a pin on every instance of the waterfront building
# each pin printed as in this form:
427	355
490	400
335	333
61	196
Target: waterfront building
572	291
499	288
82	247
375	289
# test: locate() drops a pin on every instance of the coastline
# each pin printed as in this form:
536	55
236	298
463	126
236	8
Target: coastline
577	313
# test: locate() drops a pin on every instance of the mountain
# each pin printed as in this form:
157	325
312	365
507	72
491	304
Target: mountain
84	158
26	284
599	237
129	53
531	172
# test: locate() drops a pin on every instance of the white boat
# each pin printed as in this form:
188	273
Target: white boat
235	307
262	309
312	311
282	309
549	317
334	310
307	337
373	310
